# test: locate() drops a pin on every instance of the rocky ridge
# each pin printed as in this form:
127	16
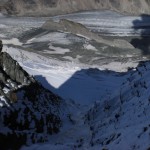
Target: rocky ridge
28	111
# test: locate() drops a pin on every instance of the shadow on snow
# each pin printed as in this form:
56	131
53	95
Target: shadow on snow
142	27
87	85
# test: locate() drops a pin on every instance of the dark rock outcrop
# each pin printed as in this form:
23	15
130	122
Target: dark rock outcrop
28	111
13	69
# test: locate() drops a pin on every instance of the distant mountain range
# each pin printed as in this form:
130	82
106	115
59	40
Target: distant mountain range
55	7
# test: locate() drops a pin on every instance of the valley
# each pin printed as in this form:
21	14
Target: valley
97	63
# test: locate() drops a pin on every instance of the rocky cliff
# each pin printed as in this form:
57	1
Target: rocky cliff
55	7
28	112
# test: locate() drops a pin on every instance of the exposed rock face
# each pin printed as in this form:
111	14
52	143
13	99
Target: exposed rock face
12	68
28	112
55	7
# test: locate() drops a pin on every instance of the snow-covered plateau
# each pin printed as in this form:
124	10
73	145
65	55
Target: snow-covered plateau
105	88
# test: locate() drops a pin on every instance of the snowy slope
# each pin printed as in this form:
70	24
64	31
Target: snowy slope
108	110
28	112
119	117
117	121
121	121
77	82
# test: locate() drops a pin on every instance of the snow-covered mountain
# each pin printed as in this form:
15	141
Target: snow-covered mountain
28	111
114	107
121	120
